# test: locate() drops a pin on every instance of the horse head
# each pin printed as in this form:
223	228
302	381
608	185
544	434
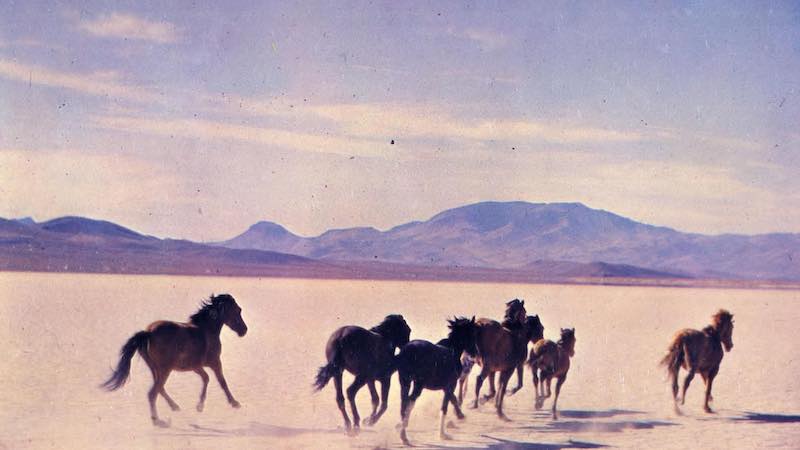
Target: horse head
535	328
395	329
463	334
568	340
722	322
515	312
225	308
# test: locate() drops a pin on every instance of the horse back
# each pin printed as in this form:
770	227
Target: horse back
432	365
178	346
702	352
359	351
498	347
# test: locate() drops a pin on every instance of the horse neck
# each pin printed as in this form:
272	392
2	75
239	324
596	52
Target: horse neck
211	328
386	336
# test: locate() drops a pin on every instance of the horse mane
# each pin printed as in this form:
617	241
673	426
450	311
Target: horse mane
210	310
387	324
566	333
509	320
722	317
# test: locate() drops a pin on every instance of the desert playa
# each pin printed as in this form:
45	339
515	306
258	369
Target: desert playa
616	394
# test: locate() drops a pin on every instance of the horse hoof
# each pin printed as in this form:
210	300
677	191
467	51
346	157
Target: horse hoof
445	437
504	418
236	404
162	424
461	416
473	405
368	422
175	407
709	410
200	408
451	425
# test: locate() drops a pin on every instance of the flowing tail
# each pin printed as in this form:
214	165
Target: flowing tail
120	375
674	357
326	372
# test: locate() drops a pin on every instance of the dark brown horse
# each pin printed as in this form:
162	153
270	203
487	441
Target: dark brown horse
434	367
552	360
166	346
501	348
535	331
367	354
699	351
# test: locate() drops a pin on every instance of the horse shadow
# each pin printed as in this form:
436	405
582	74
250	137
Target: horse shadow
505	444
749	416
263	429
593	421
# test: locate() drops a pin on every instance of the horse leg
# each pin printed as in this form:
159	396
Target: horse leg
686	382
492	391
478	384
158	384
385	384
560	381
412	399
375	401
711	375
337	383
519	379
673	374
351	395
405	385
445	402
463	384
204	377
217	368
501	394
172	405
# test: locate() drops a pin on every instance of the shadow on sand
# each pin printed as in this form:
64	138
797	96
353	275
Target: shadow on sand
263	429
585	414
504	444
749	416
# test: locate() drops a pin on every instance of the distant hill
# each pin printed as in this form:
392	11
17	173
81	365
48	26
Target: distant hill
517	235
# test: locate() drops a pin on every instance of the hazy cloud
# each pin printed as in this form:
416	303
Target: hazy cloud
128	26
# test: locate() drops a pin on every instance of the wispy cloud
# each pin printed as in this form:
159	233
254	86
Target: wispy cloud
104	84
486	39
218	130
128	26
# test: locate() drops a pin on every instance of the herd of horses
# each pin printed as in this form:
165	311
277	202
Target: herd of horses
375	354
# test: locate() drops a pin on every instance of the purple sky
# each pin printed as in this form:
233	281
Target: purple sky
195	121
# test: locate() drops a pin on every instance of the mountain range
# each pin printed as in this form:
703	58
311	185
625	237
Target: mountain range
492	241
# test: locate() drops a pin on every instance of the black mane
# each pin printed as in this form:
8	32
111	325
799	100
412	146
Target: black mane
210	310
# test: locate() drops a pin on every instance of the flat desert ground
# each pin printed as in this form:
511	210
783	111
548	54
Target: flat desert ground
61	333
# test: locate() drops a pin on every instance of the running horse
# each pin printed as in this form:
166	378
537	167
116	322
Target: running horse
699	351
367	354
166	346
434	367
501	348
535	331
552	360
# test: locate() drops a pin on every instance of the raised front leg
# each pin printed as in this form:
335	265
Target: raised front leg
217	368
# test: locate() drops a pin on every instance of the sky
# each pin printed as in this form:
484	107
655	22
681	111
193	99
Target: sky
197	119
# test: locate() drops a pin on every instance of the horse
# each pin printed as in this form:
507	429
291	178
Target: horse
367	354
434	367
552	359
699	351
501	348
535	331
166	346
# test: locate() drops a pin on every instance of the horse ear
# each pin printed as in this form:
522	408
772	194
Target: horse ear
473	319
522	302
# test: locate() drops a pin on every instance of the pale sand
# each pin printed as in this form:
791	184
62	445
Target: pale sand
615	395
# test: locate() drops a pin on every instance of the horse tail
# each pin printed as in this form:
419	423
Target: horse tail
326	372
675	355
120	375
